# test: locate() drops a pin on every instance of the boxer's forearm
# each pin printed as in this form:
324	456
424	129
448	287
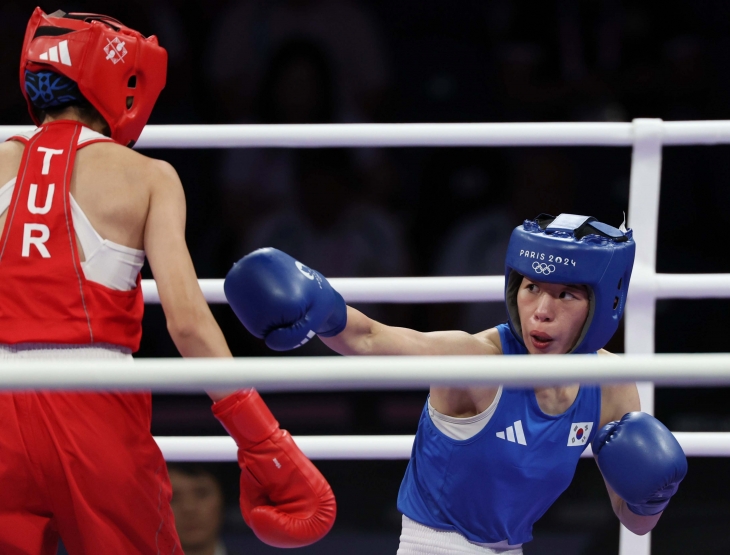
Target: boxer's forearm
365	336
357	337
198	336
201	338
637	524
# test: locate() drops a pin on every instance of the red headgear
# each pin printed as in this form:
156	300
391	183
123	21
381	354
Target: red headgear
119	71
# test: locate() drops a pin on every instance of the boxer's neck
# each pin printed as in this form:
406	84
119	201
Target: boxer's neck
72	113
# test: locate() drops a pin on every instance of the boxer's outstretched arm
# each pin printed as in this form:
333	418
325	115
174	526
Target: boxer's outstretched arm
365	336
284	302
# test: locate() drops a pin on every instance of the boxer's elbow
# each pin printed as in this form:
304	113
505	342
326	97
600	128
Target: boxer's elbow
182	331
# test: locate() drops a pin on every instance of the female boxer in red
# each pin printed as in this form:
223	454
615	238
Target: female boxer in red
79	212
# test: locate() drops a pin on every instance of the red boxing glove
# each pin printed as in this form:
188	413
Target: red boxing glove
284	498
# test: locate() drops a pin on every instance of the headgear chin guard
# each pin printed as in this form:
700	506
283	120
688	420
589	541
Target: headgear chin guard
119	71
573	249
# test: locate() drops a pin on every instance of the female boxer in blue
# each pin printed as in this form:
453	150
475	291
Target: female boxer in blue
488	462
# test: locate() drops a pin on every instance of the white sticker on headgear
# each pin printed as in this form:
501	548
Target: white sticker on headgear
115	50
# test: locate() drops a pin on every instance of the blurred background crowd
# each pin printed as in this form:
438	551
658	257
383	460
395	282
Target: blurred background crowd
433	211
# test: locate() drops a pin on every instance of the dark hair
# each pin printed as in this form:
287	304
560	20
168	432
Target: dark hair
51	94
224	474
192	469
84	109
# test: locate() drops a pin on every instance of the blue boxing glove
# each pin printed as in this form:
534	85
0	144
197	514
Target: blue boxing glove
641	460
282	301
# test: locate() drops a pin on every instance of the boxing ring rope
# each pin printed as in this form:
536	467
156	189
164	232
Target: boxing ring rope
419	134
464	289
389	447
646	137
374	373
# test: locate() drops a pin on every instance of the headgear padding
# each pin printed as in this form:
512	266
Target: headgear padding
579	250
48	89
119	71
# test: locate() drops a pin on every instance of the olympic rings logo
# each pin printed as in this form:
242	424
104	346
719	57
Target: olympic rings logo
542	268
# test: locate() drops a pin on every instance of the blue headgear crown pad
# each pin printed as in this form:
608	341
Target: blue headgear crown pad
573	249
47	89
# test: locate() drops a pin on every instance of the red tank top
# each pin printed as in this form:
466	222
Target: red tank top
44	296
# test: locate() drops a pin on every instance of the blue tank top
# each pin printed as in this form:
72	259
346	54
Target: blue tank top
495	485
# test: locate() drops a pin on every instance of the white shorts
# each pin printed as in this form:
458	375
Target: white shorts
417	539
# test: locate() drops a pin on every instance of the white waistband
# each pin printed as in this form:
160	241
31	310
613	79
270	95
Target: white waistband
417	539
61	351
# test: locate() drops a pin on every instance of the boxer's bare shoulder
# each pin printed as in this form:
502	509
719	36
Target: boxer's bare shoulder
116	186
112	159
491	341
11	153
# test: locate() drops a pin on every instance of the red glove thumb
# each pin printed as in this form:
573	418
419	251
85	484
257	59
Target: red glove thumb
284	498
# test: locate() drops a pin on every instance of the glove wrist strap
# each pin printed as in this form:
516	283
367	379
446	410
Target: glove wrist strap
647	510
246	418
337	320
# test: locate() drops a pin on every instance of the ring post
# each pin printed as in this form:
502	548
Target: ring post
646	171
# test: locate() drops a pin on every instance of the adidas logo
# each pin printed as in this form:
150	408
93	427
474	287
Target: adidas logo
55	51
514	434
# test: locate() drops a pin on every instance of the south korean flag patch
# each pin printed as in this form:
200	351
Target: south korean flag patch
579	432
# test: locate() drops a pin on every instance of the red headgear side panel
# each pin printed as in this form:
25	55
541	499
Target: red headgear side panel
119	71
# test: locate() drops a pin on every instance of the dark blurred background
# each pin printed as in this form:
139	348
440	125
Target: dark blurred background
426	211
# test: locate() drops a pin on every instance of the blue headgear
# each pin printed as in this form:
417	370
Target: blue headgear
573	250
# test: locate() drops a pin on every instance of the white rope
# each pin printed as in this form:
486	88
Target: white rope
417	134
386	135
360	373
467	289
381	290
223	448
384	447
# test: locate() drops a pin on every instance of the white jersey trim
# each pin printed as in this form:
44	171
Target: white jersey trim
463	428
87	135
